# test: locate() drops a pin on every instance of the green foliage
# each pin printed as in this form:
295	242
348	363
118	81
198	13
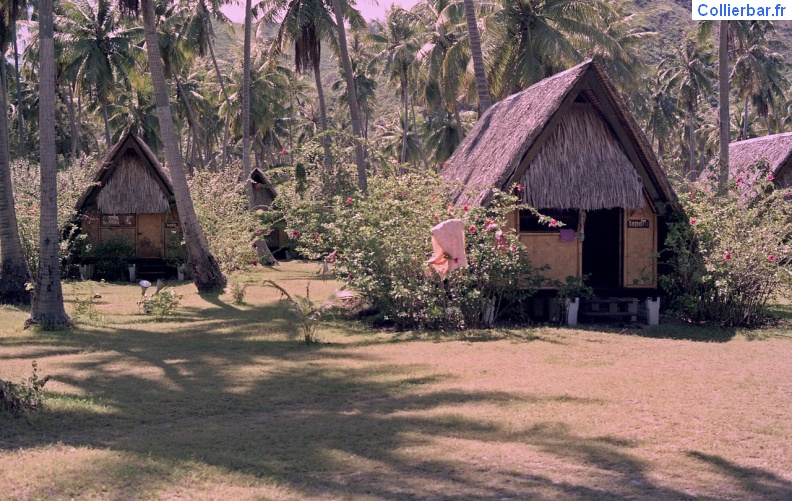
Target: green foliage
308	312
730	254
162	304
18	399
237	292
382	242
72	182
112	258
222	209
83	304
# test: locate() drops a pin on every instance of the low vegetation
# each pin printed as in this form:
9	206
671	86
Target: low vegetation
225	401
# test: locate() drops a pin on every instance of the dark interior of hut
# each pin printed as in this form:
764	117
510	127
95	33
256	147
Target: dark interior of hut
602	249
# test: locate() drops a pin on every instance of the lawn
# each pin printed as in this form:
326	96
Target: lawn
226	402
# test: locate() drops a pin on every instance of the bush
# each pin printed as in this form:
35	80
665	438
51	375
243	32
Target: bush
18	399
162	304
729	255
237	292
113	257
222	209
382	242
72	182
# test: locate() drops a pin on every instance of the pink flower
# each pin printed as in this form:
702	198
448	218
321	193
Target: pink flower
519	187
349	200
553	223
472	229
451	208
283	151
332	187
434	198
739	180
255	263
465	208
436	218
727	256
268	233
99	184
316	236
258	231
770	178
513	248
692	221
456	259
445	164
295	234
771	258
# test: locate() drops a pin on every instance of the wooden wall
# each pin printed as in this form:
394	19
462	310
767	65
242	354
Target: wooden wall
640	243
151	235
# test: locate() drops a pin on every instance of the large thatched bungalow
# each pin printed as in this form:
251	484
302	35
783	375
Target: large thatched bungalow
580	157
131	199
775	149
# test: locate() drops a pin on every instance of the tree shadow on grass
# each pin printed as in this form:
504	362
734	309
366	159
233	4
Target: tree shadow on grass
328	421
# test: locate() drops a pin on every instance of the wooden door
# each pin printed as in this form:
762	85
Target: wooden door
150	241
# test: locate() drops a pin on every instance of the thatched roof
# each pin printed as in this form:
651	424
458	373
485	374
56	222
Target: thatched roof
264	190
569	139
128	180
775	149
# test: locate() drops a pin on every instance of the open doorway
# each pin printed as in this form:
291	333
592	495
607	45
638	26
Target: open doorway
602	248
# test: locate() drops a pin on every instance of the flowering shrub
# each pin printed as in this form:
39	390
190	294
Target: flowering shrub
381	243
18	399
72	182
730	254
222	209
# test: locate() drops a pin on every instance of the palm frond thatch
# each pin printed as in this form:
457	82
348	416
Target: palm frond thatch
496	152
129	180
775	149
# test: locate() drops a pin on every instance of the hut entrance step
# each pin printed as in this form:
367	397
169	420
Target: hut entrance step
153	270
609	310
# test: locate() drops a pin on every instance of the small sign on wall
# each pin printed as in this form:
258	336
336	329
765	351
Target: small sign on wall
171	225
637	223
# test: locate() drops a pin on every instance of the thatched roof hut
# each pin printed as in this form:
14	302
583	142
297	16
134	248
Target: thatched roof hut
580	157
128	180
569	140
263	191
775	149
131	200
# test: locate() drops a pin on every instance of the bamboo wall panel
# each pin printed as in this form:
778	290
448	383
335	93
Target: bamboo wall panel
640	270
564	258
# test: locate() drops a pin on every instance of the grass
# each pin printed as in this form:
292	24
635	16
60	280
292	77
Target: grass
227	402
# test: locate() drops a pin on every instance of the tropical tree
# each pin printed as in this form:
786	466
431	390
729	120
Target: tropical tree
399	47
478	58
99	51
14	272
205	269
723	106
11	11
688	74
47	305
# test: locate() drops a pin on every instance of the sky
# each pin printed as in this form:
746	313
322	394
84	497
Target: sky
369	9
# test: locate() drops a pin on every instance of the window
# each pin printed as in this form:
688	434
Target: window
530	222
114	220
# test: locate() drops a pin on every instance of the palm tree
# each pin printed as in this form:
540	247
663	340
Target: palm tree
14	272
246	97
47	306
11	10
354	109
205	269
400	45
306	24
99	51
688	75
533	39
723	105
478	59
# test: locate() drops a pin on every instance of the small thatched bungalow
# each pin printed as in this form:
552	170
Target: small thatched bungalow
131	199
262	196
580	157
775	149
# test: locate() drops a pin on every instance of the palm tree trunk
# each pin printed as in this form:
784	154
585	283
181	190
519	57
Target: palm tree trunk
246	99
745	119
692	165
206	271
458	120
47	308
106	124
328	162
478	58
193	124
406	121
767	124
225	95
723	106
20	117
354	108
79	119
14	273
